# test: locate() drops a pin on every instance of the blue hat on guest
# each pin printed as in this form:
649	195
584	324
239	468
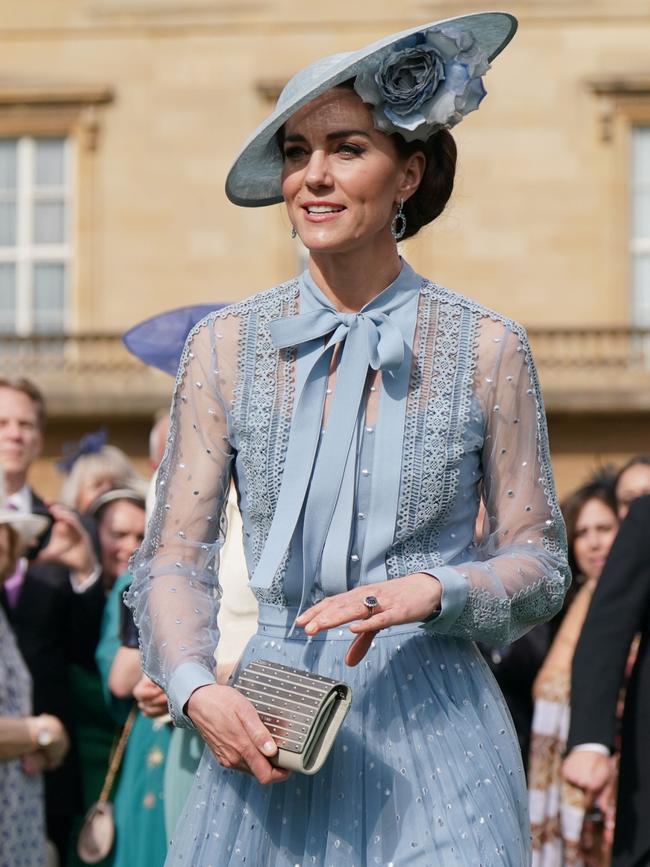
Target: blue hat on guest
159	341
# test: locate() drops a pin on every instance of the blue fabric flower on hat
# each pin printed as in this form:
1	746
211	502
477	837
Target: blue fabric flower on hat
424	83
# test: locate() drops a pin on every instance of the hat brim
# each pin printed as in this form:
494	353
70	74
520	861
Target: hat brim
28	526
254	179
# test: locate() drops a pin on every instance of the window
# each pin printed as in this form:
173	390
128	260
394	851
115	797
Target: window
35	234
640	225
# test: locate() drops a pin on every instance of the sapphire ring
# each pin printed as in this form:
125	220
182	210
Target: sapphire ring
371	602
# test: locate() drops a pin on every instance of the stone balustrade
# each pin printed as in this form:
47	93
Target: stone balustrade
581	369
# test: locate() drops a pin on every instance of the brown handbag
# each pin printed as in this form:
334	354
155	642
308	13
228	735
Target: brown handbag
97	832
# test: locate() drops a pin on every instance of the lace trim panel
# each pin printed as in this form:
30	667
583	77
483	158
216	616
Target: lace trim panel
262	413
437	415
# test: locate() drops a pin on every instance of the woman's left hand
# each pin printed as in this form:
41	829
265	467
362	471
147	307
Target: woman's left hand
152	701
410	599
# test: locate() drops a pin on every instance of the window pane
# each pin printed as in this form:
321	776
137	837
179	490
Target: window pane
642	290
7	224
49	296
641	215
8	163
49	222
7	297
641	154
49	162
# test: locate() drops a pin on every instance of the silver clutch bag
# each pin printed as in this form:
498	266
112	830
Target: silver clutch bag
303	711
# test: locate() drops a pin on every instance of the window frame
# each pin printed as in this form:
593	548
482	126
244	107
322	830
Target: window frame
26	253
622	103
639	245
73	112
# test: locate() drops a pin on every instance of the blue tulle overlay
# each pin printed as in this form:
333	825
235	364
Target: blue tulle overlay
425	772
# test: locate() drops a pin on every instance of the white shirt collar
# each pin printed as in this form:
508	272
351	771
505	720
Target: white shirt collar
21	500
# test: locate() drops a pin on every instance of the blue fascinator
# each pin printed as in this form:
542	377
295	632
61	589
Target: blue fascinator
87	445
418	81
426	82
159	341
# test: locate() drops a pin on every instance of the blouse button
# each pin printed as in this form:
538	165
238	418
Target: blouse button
361	516
354	558
365	472
370	430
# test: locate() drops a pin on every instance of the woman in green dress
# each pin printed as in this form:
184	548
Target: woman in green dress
138	799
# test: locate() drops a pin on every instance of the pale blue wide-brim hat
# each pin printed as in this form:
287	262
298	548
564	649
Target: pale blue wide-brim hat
254	179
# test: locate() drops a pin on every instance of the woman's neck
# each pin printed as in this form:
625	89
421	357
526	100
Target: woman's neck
351	280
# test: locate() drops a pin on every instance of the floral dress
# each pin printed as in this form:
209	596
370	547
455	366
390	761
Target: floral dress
22	818
360	445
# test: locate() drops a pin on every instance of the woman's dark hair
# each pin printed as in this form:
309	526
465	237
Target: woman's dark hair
601	487
437	183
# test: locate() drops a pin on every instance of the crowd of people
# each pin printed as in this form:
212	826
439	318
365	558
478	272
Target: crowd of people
70	672
571	824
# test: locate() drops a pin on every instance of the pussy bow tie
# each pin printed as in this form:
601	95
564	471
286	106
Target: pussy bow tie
320	466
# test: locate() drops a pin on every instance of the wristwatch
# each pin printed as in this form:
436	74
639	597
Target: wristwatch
44	736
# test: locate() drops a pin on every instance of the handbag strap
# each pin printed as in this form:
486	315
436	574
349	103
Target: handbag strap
116	757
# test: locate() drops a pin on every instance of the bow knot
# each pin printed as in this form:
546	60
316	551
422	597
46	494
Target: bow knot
383	339
348	318
320	471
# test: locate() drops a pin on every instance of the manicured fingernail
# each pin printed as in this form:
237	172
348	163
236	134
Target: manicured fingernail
269	748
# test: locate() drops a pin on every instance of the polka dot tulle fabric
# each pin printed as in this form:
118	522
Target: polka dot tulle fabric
426	769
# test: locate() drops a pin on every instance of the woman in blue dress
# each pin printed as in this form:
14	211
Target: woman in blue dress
363	411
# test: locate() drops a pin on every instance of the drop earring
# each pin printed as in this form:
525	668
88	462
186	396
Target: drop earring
398	225
294	232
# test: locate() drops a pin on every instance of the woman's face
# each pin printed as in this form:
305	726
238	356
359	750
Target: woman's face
595	532
120	530
633	483
342	178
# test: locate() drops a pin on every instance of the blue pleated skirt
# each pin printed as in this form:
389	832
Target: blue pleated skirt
426	771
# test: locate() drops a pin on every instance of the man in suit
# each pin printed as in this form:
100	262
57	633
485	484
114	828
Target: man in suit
54	604
619	610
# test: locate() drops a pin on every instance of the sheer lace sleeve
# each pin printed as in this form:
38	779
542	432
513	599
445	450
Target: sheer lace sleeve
175	590
521	574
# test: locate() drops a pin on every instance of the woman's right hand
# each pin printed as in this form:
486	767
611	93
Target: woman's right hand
231	727
56	750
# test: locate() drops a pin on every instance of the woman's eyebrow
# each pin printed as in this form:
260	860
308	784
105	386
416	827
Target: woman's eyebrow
339	133
345	133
